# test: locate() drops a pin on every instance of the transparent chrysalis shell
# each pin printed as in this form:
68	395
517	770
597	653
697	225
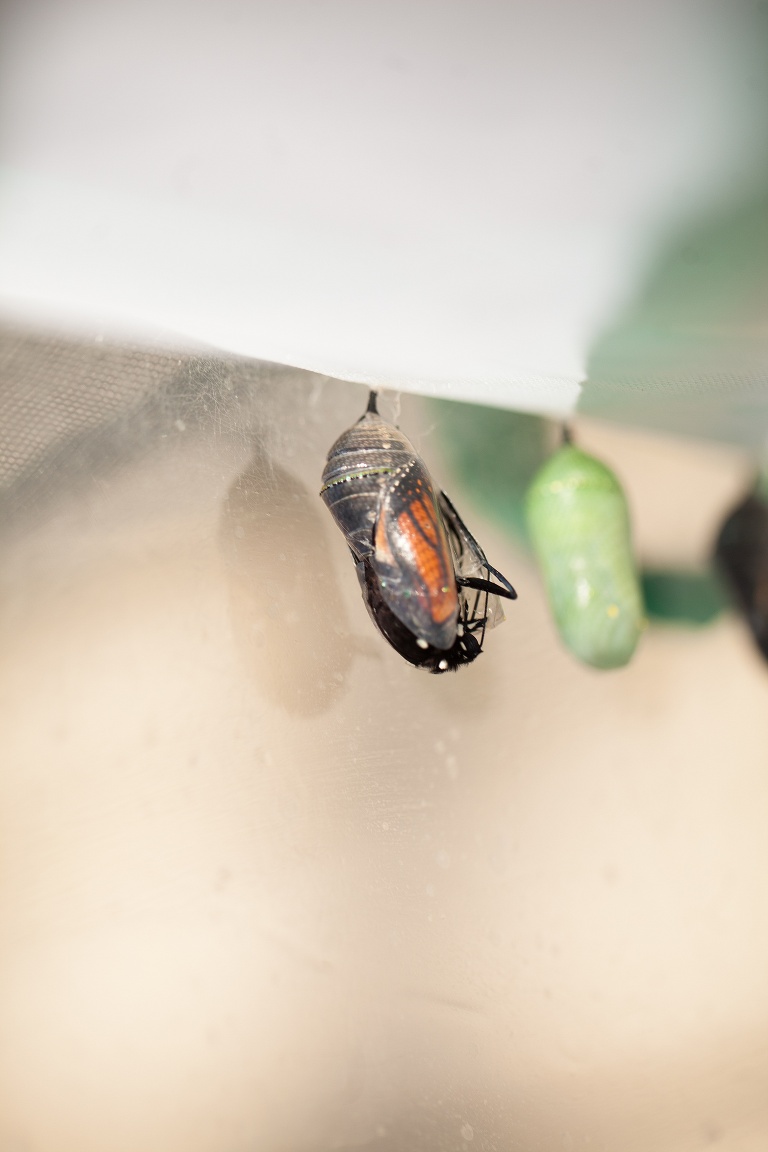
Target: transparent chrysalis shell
426	582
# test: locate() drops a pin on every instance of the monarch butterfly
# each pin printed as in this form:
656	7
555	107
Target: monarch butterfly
579	525
425	580
741	554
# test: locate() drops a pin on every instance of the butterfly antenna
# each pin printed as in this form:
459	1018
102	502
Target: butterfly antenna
372	403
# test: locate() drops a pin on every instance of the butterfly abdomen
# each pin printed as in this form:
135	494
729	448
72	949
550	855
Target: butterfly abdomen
356	473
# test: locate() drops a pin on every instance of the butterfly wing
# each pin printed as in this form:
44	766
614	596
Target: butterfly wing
413	559
481	585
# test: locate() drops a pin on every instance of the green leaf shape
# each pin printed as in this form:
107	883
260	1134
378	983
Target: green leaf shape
494	454
679	597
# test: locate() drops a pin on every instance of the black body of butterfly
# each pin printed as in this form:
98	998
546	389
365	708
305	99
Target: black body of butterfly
741	554
426	582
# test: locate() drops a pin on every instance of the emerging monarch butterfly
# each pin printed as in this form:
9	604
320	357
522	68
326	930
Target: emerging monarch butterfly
425	580
741	554
579	525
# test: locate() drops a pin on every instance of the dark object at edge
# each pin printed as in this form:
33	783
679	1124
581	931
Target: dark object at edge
741	554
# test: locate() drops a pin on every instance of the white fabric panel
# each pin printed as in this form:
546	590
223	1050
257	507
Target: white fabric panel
456	198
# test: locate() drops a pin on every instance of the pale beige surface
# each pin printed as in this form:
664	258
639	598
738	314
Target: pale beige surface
264	887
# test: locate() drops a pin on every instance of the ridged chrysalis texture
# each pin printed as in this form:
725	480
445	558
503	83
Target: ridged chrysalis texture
579	526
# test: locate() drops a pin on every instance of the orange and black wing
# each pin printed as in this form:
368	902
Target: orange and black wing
413	560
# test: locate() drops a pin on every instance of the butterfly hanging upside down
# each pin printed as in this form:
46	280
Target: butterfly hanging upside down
425	580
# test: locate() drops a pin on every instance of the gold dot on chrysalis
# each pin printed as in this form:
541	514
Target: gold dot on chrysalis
612	610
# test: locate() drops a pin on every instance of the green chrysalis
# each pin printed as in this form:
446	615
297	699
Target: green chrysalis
579	525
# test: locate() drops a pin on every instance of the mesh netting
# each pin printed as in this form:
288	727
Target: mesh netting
73	408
